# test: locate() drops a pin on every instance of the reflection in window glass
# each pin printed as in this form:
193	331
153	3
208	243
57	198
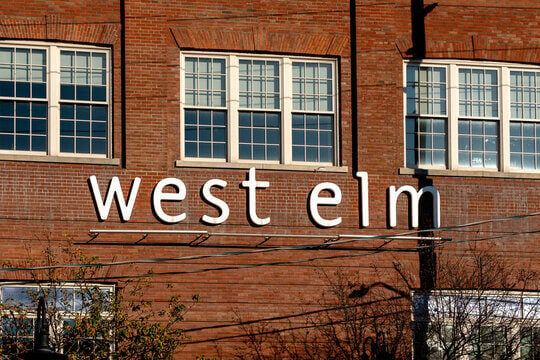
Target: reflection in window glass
478	143
312	137
312	86
426	128
205	134
478	93
426	141
83	111
525	95
205	82
525	145
426	90
259	135
259	84
23	123
530	343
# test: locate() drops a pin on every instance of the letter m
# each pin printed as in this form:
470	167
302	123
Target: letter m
114	191
414	200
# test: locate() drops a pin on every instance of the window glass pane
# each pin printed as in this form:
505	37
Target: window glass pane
325	71
82	59
205	65
39	91
6	72
6	55
99	61
18	295
38	74
191	65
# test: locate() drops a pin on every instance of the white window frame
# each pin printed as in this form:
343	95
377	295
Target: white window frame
53	97
61	315
452	103
285	110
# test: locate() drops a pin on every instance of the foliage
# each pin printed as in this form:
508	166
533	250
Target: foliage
87	321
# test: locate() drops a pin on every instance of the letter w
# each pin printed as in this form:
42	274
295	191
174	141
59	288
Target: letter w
114	191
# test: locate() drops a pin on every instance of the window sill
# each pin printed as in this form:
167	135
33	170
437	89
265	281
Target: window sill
469	173
261	166
60	159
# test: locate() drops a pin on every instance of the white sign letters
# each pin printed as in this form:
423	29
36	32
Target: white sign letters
251	185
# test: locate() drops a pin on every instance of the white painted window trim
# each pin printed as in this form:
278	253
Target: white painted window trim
452	91
285	110
53	100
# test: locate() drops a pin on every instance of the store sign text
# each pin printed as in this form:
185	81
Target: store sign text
114	192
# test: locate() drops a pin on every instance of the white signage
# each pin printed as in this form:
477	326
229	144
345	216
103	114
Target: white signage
114	192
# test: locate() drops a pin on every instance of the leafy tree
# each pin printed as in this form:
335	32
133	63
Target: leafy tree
87	321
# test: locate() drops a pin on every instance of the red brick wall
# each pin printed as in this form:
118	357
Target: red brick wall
48	200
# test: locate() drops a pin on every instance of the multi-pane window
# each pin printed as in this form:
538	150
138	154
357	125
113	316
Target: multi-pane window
313	118
83	102
259	131
312	86
18	315
54	100
472	115
478	324
426	116
525	120
280	110
478	100
23	94
205	114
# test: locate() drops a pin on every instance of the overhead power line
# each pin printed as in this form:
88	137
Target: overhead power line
282	248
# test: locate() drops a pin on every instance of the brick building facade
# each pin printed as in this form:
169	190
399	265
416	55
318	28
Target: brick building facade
207	90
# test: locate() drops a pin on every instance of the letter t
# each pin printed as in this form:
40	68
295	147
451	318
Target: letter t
252	185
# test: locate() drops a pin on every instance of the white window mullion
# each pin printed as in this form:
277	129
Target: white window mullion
109	79
504	102
286	122
53	133
335	107
182	107
234	102
453	116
